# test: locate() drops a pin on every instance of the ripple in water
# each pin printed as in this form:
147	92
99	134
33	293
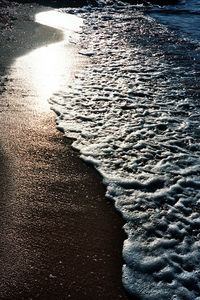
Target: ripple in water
134	114
185	17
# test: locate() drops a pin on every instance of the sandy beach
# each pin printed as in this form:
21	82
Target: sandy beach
60	238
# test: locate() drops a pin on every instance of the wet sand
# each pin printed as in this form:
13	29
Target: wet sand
60	238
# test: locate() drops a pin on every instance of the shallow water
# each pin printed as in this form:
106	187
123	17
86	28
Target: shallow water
184	17
134	114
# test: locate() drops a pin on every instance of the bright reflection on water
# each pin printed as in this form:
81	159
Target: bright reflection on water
45	70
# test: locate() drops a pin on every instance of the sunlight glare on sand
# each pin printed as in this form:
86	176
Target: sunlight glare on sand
59	20
45	70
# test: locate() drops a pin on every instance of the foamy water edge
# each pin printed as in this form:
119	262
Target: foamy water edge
131	116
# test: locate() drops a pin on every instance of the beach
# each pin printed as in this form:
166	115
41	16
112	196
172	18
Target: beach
126	96
60	237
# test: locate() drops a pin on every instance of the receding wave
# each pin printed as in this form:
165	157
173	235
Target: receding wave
134	114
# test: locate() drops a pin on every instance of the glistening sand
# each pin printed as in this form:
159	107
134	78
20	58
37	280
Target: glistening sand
59	237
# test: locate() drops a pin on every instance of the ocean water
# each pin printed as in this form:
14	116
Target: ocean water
183	17
134	114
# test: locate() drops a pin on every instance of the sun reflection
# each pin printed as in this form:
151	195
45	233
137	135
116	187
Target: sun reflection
59	20
47	69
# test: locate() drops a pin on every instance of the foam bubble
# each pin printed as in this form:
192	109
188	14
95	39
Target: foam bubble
134	116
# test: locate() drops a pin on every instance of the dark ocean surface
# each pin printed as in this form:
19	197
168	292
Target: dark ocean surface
184	17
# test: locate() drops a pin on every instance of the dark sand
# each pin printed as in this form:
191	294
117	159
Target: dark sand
59	236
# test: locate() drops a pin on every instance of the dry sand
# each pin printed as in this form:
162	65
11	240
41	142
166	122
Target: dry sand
59	236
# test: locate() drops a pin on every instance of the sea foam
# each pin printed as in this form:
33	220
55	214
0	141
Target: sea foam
133	113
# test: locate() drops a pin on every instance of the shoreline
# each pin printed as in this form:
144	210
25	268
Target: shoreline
54	242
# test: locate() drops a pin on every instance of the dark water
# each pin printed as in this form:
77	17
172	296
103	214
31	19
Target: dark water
184	17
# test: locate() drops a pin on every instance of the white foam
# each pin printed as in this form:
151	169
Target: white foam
127	113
